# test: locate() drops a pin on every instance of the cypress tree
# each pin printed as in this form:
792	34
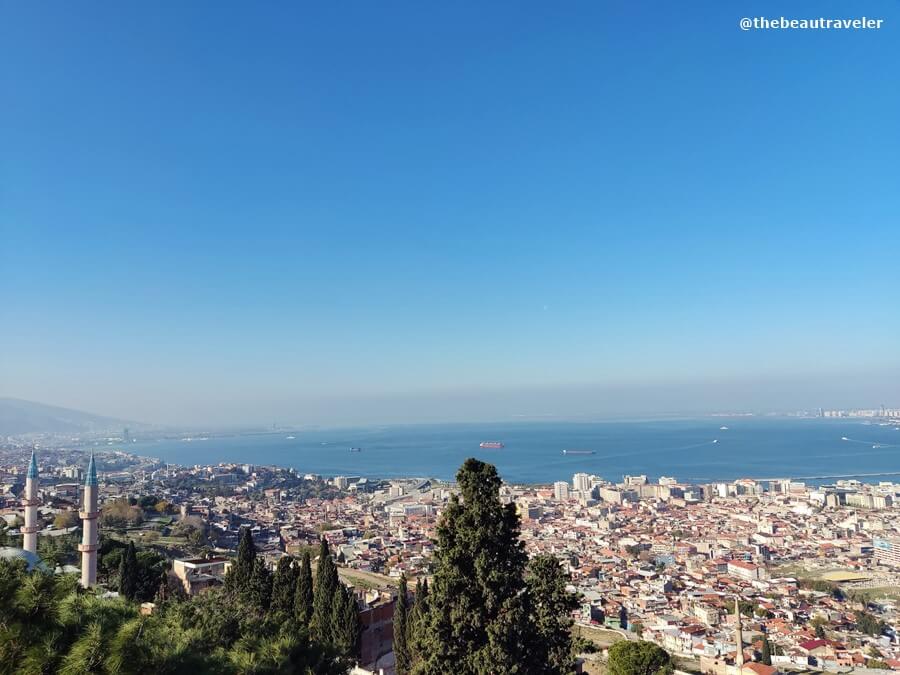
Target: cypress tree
416	623
258	591
349	629
238	578
402	656
766	657
476	621
283	587
324	595
303	599
128	572
338	630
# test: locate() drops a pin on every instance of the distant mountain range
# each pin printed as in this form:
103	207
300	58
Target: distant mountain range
27	417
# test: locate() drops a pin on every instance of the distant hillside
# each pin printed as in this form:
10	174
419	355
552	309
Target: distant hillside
24	417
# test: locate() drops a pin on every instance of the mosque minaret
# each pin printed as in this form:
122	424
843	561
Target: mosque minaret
31	502
89	515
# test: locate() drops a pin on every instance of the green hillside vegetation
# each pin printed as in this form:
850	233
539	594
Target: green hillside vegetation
48	624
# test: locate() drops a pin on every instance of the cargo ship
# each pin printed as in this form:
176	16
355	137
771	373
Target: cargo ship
578	452
491	445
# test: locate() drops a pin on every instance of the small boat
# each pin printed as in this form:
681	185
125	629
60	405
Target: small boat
578	452
715	440
289	438
355	449
723	428
844	438
491	445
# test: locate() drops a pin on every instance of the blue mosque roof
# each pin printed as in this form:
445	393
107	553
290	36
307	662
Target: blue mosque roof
31	560
91	478
32	467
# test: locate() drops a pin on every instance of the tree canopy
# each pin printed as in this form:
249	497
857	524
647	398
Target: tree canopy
48	624
638	658
488	611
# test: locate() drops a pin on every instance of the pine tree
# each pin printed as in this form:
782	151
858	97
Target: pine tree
303	599
128	572
283	587
324	595
402	656
766	657
476	617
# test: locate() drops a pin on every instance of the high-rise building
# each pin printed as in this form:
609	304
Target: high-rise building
561	491
887	551
89	515
31	502
581	482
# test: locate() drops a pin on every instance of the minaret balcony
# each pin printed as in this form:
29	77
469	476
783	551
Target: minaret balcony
88	515
31	502
31	529
88	548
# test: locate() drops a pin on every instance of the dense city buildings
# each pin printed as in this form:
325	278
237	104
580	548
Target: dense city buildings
658	558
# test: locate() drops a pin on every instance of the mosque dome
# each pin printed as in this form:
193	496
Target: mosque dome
32	560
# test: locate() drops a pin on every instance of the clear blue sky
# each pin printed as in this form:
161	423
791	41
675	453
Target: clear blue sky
355	212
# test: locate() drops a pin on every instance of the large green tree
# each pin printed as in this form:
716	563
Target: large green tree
479	618
638	658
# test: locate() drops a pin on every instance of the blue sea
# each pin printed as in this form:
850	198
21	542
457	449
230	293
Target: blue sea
696	450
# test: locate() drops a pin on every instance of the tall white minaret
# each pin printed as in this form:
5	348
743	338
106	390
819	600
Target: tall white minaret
31	502
88	545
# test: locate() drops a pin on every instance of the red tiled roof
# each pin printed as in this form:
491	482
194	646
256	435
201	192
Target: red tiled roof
809	645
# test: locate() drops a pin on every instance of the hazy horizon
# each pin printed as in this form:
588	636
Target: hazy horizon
572	403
